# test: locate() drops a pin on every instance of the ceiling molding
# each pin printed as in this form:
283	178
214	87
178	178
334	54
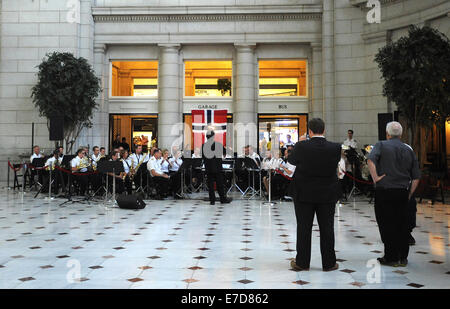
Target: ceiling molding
208	18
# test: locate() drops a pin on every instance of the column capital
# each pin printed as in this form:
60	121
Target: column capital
100	48
169	46
245	47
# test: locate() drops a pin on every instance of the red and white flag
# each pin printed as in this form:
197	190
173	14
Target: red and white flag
204	119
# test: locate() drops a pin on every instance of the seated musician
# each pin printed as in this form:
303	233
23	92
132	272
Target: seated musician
140	159
36	155
127	166
102	152
164	161
197	176
159	177
119	183
243	175
196	154
282	179
269	164
174	165
80	165
56	174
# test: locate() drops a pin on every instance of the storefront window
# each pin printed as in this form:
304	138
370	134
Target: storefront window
208	78
282	78
134	78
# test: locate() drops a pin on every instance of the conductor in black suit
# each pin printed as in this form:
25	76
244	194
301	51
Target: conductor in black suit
316	192
212	153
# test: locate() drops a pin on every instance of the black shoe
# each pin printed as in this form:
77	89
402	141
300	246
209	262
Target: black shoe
335	267
227	200
383	261
212	202
295	267
403	263
411	240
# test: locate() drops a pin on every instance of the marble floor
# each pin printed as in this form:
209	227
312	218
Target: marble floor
190	244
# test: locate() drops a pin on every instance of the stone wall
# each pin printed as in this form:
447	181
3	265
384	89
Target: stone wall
29	30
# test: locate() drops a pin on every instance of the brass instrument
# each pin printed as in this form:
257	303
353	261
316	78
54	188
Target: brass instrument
132	170
139	164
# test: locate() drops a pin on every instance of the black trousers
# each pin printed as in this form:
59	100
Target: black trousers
161	185
412	212
280	186
304	213
175	182
218	178
391	212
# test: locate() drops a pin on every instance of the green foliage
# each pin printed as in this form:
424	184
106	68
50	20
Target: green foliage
67	86
416	70
224	85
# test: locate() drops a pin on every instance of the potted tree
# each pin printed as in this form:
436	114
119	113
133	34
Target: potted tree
416	72
67	86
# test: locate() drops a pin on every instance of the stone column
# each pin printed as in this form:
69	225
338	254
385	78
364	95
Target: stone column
315	65
101	116
245	111
328	68
169	112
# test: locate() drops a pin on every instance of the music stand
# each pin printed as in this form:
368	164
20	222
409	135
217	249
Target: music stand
237	164
251	167
38	162
187	163
65	163
110	167
197	165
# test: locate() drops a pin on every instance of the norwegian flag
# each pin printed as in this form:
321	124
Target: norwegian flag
203	119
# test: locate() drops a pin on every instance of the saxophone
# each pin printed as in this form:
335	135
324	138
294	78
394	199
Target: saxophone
132	170
139	164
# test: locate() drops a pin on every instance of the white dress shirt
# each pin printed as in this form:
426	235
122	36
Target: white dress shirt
351	143
164	165
34	156
176	163
77	161
51	162
153	164
139	159
290	168
126	164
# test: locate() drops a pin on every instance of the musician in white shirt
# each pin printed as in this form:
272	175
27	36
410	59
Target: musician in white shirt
281	182
51	163
126	160
164	162
95	156
341	175
350	141
140	159
175	162
159	177
80	165
175	174
197	154
36	153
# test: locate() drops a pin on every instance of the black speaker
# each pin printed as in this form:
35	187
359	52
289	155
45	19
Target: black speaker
130	201
383	120
56	128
